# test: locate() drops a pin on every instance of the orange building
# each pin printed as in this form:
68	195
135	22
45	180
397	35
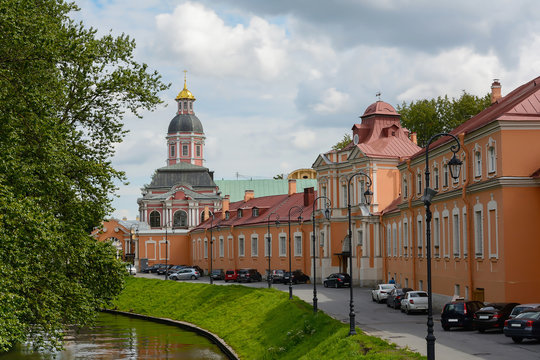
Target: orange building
484	233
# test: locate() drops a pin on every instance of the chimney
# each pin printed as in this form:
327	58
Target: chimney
495	91
292	186
248	195
414	138
309	196
225	206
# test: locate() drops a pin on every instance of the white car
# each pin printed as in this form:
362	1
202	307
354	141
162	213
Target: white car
415	301
185	274
131	269
380	293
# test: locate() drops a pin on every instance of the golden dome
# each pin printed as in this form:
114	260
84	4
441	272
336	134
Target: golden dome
185	93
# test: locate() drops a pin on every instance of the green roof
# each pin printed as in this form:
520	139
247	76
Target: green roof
265	187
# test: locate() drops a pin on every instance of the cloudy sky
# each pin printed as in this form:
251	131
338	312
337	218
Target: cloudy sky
278	82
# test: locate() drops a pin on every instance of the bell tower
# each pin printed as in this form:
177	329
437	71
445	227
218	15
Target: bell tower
185	137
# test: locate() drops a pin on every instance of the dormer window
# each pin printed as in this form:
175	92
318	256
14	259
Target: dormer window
240	213
255	212
227	215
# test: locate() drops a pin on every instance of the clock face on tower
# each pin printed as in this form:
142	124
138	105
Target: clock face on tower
356	139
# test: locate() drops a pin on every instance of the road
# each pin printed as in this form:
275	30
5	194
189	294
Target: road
407	330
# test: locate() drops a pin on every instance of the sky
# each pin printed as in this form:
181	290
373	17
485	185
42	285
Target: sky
279	82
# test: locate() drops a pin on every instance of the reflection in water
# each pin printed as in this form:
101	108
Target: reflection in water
122	337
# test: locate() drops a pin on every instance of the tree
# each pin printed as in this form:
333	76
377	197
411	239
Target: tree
429	117
63	95
343	143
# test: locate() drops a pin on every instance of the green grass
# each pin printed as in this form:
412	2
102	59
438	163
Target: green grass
256	323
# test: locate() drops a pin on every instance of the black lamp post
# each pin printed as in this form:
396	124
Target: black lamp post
327	206
301	210
167	249
211	246
455	167
367	195
269	278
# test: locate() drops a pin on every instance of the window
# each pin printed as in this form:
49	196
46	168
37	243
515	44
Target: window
198	150
455	232
324	192
405	188
190	106
436	236
445	175
155	219
464	221
477	164
240	213
185	150
436	178
405	237
227	215
344	197
267	244
282	245
388	241
445	233
321	239
180	219
419	184
360	235
491	159
478	232
205	248
241	246
394	240
254	245
172	150
421	285
456	289
221	247
297	245
255	212
362	191
185	105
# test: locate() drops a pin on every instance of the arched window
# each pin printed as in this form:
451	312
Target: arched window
155	219
180	219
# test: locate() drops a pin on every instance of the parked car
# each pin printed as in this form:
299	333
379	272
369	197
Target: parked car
492	316
277	276
163	269
185	274
459	314
196	267
298	277
217	274
520	308
414	301
525	325
380	293
151	269
337	280
395	296
175	268
248	275
131	269
231	275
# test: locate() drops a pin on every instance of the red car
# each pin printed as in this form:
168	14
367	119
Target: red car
231	275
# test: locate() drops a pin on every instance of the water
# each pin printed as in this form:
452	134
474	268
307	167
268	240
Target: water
122	337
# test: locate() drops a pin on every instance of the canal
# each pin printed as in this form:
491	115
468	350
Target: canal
123	337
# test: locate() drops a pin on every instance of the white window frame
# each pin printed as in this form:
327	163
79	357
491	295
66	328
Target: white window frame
405	237
394	240
221	246
405	187
282	245
267	240
491	152
185	150
254	245
465	233
446	233
436	230
478	230
419	183
477	156
492	206
241	246
388	240
419	235
298	244
205	248
456	242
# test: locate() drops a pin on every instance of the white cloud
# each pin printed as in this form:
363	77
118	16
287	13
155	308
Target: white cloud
332	101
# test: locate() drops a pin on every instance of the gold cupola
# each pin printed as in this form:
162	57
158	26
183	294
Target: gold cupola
185	94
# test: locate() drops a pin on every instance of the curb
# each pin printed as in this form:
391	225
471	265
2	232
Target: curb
223	346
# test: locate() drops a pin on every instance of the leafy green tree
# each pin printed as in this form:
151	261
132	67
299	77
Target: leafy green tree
63	94
343	142
429	117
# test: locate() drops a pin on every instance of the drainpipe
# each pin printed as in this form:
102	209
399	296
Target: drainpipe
414	231
383	250
470	256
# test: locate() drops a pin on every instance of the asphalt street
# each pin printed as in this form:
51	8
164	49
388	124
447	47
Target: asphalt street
405	330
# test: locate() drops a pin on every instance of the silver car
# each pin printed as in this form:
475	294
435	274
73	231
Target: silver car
185	274
415	301
381	292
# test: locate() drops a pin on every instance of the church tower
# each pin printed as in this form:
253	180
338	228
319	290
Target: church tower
185	137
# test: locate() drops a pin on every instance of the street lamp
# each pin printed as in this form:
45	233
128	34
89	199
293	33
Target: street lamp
130	256
455	167
368	196
269	279
327	206
167	249
211	246
301	210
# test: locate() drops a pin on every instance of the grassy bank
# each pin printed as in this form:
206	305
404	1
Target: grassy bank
257	323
